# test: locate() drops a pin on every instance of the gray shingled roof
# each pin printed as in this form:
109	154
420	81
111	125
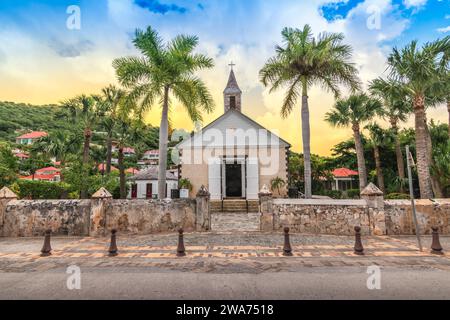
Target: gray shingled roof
152	174
232	86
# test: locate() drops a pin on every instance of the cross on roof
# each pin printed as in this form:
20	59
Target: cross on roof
232	65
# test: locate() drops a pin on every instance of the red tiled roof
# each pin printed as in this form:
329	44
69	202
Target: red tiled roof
22	155
152	152
132	171
102	167
128	150
42	177
47	169
33	135
344	172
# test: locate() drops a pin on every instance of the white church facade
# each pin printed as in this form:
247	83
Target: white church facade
234	156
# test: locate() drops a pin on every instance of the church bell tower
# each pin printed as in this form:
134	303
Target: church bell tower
232	93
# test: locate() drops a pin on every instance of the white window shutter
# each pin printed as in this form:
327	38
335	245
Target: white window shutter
252	178
214	179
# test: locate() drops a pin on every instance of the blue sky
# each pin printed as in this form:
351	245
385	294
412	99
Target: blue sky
42	61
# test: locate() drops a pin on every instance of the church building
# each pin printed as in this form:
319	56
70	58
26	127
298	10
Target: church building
234	156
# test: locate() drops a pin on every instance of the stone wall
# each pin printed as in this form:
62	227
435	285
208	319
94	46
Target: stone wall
399	218
28	218
338	217
101	214
372	213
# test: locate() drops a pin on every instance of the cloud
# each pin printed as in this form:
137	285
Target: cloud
71	50
444	30
414	3
156	7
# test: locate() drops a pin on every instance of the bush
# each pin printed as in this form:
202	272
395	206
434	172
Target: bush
353	193
397	196
334	194
39	190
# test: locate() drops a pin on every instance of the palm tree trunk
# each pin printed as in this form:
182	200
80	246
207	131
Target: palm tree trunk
423	169
362	172
399	155
306	137
108	153
380	178
163	138
123	191
86	147
435	184
448	109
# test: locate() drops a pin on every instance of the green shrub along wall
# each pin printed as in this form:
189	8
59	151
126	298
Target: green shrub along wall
40	190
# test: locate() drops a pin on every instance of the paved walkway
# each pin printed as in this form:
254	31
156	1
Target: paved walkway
225	252
222	221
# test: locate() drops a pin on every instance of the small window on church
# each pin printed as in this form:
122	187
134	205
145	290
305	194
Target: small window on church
232	102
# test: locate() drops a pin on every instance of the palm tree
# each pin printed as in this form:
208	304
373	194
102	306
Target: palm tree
277	183
111	102
58	145
84	110
377	139
304	61
162	71
396	109
354	111
416	68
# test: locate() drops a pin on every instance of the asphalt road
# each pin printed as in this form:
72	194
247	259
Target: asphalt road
349	283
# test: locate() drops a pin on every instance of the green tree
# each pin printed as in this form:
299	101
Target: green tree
396	108
304	61
416	68
162	71
112	100
378	138
354	111
8	165
59	145
276	184
85	111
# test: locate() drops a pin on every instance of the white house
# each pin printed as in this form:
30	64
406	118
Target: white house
145	184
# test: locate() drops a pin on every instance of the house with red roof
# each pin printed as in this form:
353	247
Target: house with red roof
102	168
50	174
31	137
344	179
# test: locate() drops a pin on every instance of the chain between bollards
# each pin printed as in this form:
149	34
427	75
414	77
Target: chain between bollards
287	249
47	248
181	251
436	247
359	249
113	246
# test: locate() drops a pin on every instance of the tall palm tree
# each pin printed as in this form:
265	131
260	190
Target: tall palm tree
304	61
84	110
59	145
396	109
354	111
111	102
416	68
162	71
377	139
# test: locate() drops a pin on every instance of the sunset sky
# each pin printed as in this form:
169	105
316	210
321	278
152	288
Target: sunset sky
42	61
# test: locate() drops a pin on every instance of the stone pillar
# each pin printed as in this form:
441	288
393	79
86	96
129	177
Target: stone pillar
375	204
266	209
203	212
99	204
6	195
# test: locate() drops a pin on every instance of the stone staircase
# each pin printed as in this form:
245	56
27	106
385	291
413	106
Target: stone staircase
235	206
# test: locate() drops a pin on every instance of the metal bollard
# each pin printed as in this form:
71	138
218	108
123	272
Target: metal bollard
287	249
436	247
113	246
46	248
181	251
359	249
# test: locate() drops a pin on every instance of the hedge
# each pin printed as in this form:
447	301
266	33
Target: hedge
40	190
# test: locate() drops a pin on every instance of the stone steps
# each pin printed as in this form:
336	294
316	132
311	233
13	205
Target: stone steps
238	206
